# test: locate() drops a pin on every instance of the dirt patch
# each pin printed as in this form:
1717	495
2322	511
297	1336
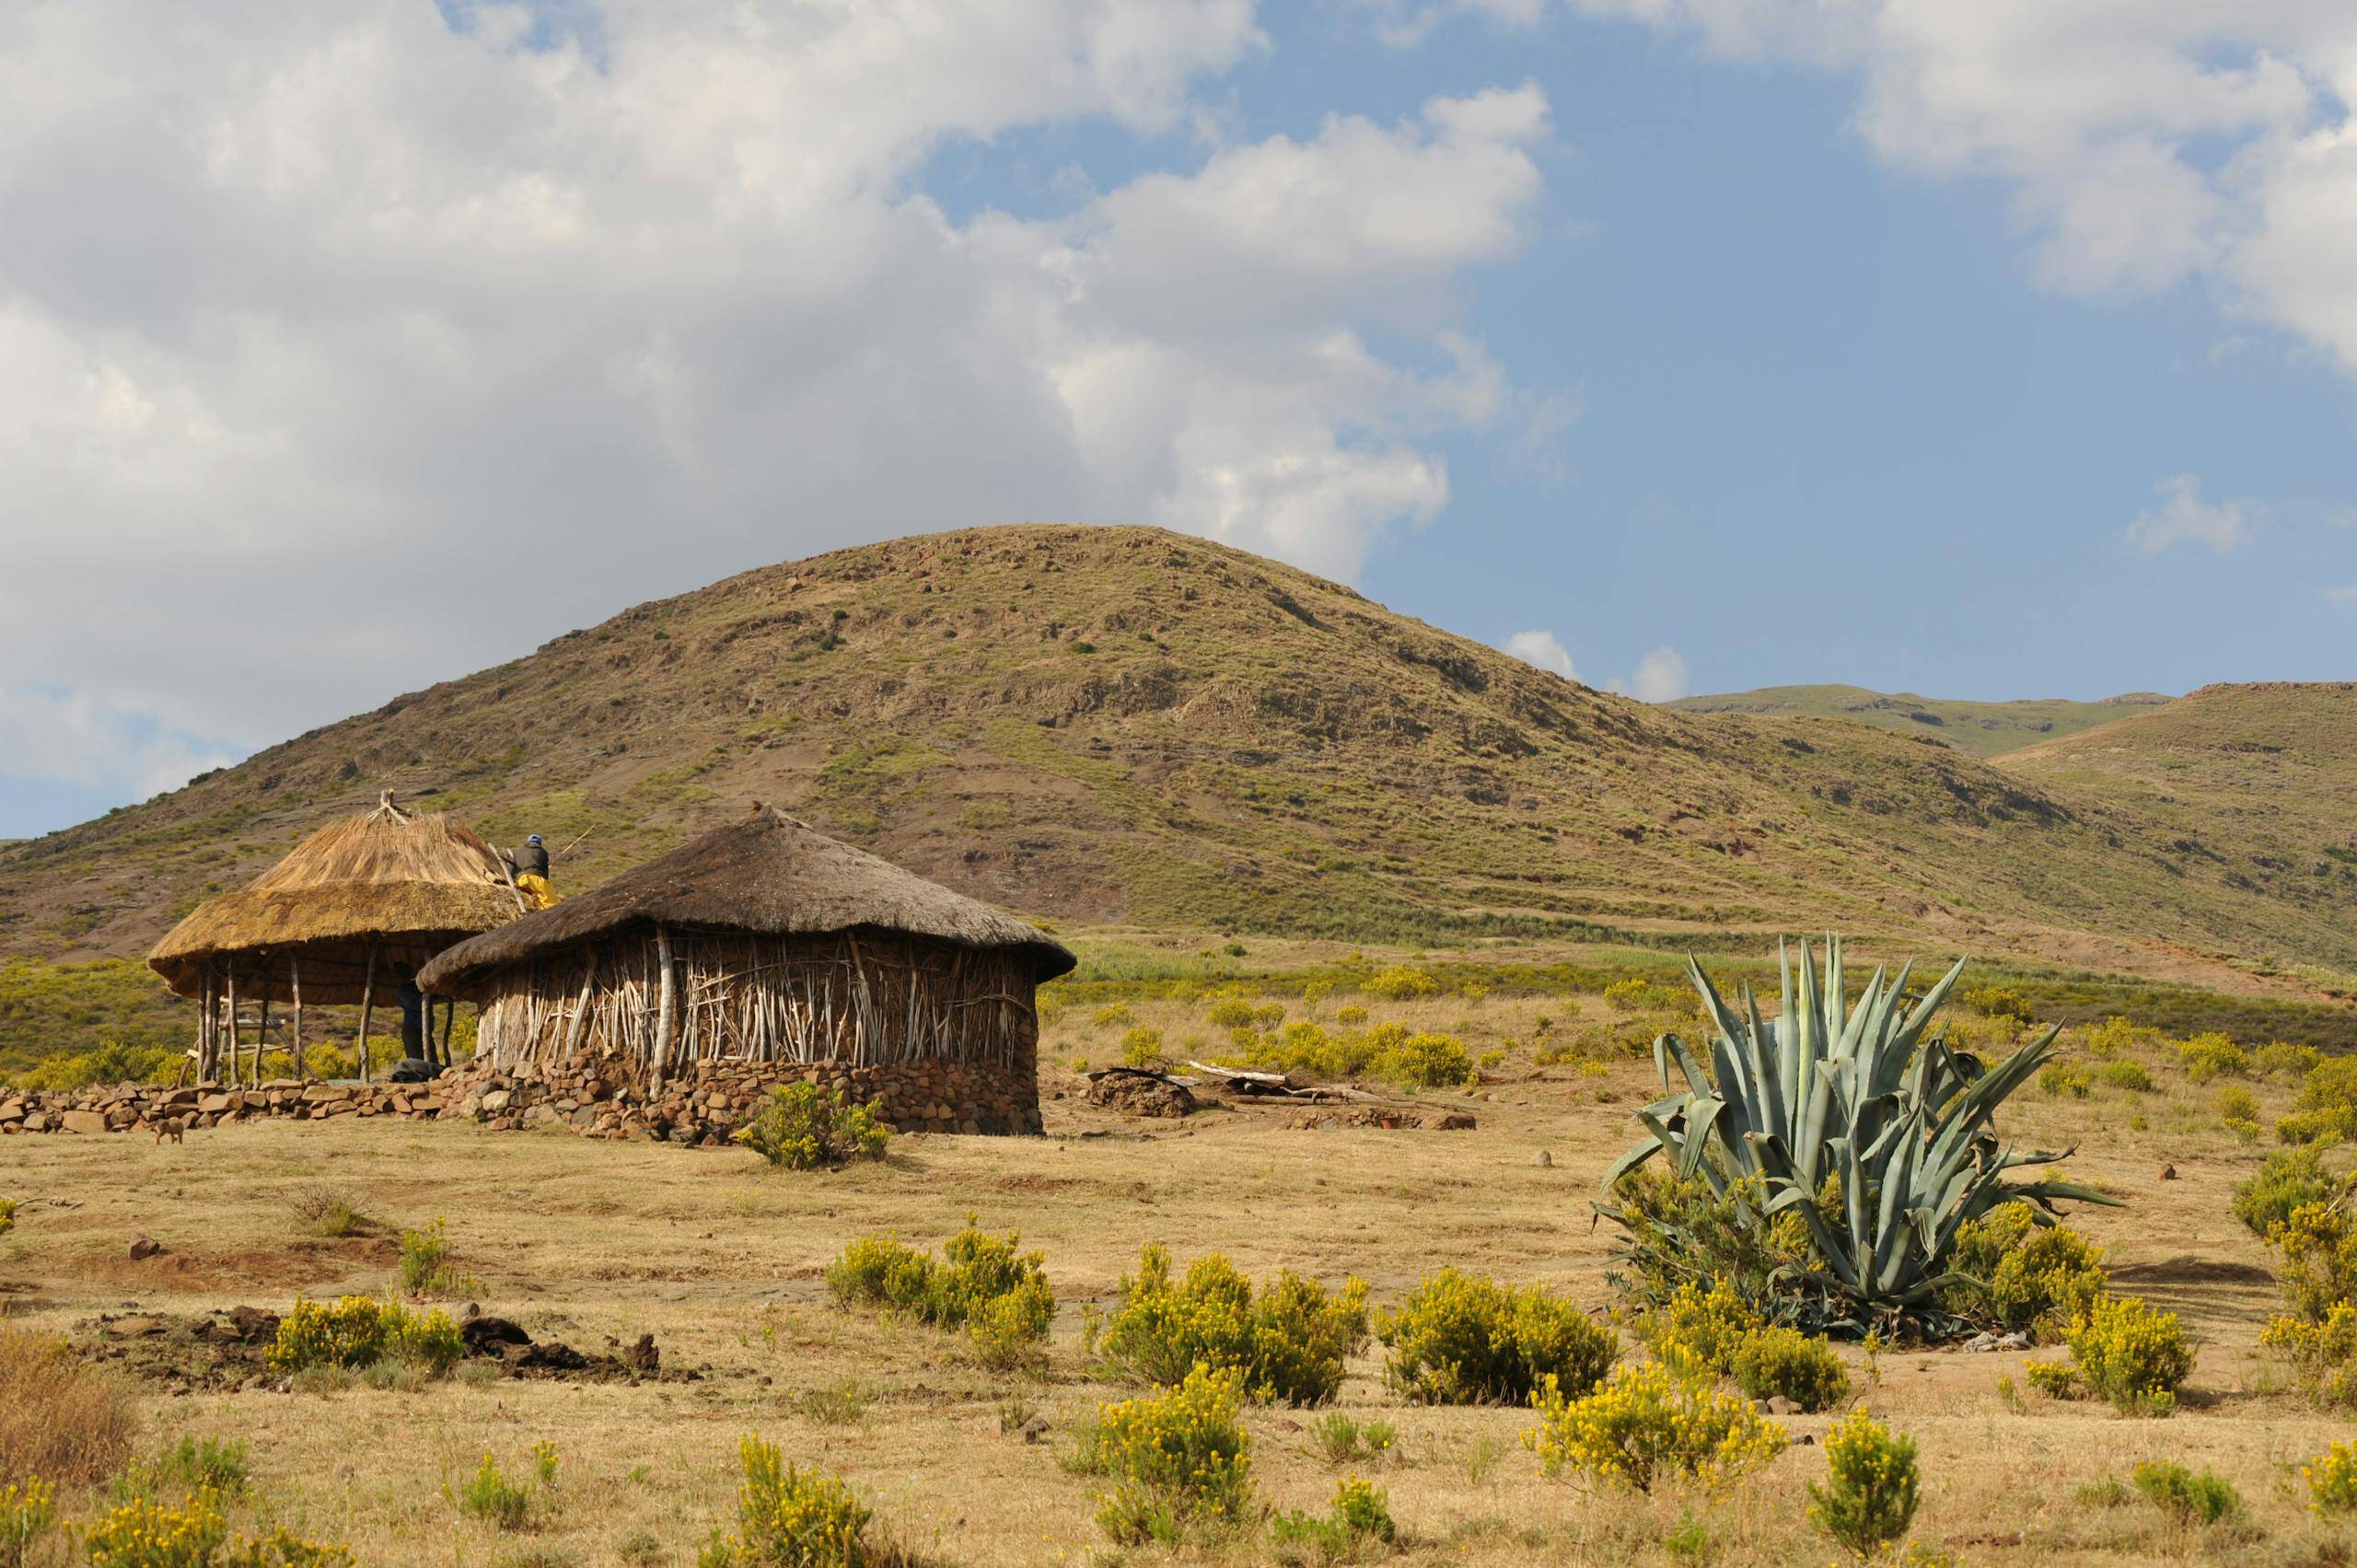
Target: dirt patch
1383	1116
2193	1271
300	1265
230	1349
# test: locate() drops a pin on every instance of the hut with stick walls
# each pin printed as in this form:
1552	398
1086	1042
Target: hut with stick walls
762	952
354	909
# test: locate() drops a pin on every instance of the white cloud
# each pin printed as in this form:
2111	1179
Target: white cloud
1542	649
2145	144
1660	678
2183	517
325	329
73	739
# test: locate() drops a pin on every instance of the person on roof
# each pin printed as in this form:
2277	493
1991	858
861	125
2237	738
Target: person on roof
531	864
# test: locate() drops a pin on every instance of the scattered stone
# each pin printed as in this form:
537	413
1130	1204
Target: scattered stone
1035	1429
1140	1093
84	1121
1545	1160
144	1247
1984	1342
1777	1404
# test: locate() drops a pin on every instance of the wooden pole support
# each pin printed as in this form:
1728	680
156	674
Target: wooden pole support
295	982
664	1000
230	985
368	1006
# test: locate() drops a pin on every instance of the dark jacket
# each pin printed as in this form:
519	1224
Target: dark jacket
532	860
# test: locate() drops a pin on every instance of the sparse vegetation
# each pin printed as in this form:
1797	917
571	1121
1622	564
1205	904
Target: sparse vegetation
357	1331
60	1418
2185	1496
1646	1423
981	1284
1177	1460
791	1519
1871	1487
2124	1351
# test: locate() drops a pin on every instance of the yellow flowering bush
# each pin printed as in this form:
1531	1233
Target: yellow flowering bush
2323	1352
28	1512
2319	1247
1646	1424
803	1127
790	1518
1178	1459
1289	1341
7	1215
1425	1060
981	1284
1870	1485
2126	1351
1465	1339
192	1533
1400	983
1230	1011
2285	1180
1142	1047
360	1331
2208	1056
1700	1330
2332	1480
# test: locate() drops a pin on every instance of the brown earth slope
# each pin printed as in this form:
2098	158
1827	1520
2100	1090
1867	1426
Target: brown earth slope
1106	725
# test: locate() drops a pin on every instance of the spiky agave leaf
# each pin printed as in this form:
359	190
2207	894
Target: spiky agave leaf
1859	1089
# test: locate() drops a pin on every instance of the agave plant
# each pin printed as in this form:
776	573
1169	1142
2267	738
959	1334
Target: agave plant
1860	1091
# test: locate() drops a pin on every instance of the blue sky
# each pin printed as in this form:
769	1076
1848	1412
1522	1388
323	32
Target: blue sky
1735	345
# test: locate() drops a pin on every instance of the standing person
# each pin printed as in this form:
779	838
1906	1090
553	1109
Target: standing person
531	864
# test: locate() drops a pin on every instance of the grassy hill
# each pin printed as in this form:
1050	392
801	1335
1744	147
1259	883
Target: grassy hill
1985	729
1125	725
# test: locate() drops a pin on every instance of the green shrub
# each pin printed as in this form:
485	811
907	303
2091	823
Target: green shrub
1350	1015
2285	1180
1142	1048
1871	1486
1997	1002
805	1128
356	1331
2317	1126
1112	1017
1360	1519
2125	1074
1232	1013
982	1285
192	1463
2332	1480
1342	1440
2055	1379
493	1498
2125	1352
2019	1275
2330	1084
1176	1458
425	1261
2208	1056
2114	1035
1647	1423
1288	1343
2059	1078
1772	1362
1459	1339
790	1518
2279	1057
2187	1498
28	1513
1400	983
7	1215
2238	1104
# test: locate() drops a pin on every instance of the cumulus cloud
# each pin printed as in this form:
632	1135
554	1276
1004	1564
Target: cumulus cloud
1542	649
358	348
1660	678
73	739
2183	517
2144	145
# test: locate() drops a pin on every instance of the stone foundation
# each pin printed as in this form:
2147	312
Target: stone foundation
144	1108
714	1099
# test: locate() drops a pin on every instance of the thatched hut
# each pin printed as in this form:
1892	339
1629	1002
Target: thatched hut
352	911
763	951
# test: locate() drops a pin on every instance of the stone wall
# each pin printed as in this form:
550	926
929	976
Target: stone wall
143	1108
715	1099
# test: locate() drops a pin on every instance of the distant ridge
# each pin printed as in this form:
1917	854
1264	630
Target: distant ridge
1985	729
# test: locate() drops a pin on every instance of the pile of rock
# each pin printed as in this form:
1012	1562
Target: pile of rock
149	1107
716	1099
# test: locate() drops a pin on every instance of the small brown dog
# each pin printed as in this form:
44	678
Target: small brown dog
171	1127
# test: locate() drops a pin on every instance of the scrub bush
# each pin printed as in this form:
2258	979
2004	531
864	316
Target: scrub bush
356	1332
2128	1353
1646	1424
1000	1296
1287	1343
1459	1339
791	1519
805	1128
1871	1486
2332	1480
1178	1459
2286	1179
2186	1497
1772	1362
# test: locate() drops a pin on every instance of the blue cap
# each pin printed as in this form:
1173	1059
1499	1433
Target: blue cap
532	838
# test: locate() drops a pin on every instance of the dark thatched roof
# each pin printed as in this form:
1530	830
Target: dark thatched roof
406	887
767	874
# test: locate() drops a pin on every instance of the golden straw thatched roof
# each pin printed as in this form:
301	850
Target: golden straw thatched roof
406	886
767	874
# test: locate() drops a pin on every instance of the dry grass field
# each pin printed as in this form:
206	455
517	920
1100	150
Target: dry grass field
721	1260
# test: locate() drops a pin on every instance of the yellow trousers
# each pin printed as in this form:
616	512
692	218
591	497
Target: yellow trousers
535	890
